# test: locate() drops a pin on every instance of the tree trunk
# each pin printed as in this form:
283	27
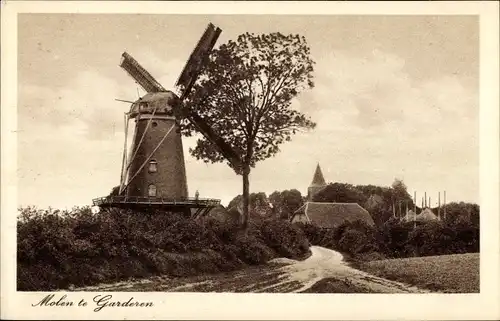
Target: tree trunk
246	198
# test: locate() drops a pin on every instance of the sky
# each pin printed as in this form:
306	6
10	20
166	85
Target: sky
394	97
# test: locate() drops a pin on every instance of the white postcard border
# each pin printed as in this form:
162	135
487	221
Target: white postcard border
266	306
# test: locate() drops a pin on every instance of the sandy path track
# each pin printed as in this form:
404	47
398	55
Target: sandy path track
279	276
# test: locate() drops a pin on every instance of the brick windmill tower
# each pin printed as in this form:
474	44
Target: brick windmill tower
156	163
153	171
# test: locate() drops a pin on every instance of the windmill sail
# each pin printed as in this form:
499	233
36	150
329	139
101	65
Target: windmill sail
226	150
193	66
141	76
186	79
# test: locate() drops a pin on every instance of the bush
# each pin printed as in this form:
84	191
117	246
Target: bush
253	252
396	239
58	249
285	239
351	238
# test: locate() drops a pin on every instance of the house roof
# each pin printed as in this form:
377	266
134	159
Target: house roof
410	216
426	215
330	215
318	179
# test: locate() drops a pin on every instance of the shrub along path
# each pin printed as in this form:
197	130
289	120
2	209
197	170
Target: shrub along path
323	271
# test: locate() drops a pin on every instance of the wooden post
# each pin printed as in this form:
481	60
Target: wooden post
415	202
414	209
123	176
444	205
439	206
425	197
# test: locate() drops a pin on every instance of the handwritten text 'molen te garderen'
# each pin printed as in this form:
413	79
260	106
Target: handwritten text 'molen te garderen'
101	301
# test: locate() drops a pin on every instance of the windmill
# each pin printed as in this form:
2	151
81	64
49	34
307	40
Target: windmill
153	172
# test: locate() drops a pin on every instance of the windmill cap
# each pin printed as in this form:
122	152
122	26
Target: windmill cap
158	102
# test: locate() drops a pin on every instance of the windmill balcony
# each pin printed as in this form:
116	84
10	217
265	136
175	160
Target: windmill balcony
116	201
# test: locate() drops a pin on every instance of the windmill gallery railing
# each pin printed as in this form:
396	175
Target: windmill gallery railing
183	202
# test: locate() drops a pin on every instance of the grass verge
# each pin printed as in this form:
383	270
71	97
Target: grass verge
455	273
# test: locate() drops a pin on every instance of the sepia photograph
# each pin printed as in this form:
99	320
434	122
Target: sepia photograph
246	153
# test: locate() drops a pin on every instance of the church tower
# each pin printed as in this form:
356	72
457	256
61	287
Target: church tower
317	184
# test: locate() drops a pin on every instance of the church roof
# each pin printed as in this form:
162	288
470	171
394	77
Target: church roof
331	215
318	179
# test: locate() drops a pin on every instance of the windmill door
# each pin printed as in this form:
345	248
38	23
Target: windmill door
152	191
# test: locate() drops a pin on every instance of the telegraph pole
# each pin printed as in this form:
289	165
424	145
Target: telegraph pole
444	206
439	206
415	209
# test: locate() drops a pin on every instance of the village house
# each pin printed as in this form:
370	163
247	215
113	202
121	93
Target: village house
331	215
328	215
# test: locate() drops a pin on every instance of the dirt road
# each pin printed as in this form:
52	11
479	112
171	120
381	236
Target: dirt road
280	275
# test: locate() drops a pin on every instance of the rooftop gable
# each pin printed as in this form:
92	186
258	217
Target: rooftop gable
331	215
426	215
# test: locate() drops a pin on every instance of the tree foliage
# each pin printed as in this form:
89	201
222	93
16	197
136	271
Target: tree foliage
400	192
245	94
259	206
285	203
460	213
340	193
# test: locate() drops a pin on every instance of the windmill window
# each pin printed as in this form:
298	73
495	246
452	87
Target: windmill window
154	124
153	166
152	190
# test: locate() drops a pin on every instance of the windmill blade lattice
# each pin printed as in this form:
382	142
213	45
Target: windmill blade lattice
197	58
140	75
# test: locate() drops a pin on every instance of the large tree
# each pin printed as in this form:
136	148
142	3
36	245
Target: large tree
285	203
340	193
245	93
400	196
460	212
